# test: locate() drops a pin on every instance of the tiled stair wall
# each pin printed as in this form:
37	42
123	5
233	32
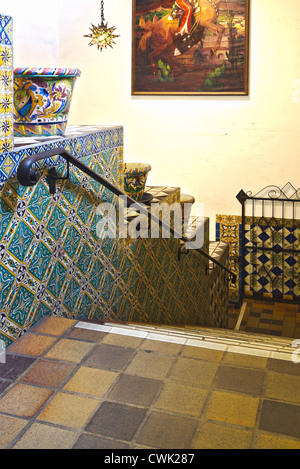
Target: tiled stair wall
53	263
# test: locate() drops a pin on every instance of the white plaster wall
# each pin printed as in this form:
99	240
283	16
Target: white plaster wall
209	146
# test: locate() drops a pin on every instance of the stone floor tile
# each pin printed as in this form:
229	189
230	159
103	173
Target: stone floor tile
167	348
268	441
249	361
70	350
194	372
110	357
167	431
85	334
10	427
232	408
283	366
135	390
69	410
181	398
118	421
150	364
15	366
53	325
239	379
278	417
283	386
217	436
32	344
91	381
87	441
48	373
41	436
24	400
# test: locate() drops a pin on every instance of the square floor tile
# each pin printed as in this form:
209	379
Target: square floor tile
14	366
217	436
284	366
86	441
272	441
9	428
70	350
167	431
24	401
91	381
122	340
194	372
85	334
181	398
279	417
150	364
32	344
117	421
246	360
48	373
41	436
53	325
283	386
110	357
202	353
233	408
69	410
135	390
240	379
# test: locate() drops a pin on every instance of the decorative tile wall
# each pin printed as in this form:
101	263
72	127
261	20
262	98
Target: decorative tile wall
52	262
229	230
219	285
6	86
47	243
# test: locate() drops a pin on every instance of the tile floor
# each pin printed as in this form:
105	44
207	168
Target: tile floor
69	384
267	317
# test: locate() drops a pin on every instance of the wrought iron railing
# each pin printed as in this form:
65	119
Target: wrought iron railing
28	176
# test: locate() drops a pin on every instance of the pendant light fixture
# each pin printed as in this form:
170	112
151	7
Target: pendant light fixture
101	35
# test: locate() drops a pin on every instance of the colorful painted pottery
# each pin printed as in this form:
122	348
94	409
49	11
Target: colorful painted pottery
186	202
42	99
135	177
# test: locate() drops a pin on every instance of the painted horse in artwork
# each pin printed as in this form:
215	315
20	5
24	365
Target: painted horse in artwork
163	40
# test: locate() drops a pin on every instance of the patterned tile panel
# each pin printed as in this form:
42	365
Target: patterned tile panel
272	267
6	92
53	261
270	271
229	230
219	285
81	141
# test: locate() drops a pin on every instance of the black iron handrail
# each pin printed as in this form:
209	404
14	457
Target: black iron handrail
28	176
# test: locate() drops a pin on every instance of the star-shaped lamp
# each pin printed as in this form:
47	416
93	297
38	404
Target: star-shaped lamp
101	35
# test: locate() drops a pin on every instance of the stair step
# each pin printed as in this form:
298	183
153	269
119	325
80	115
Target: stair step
210	338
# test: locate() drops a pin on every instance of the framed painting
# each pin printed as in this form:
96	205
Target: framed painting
190	47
